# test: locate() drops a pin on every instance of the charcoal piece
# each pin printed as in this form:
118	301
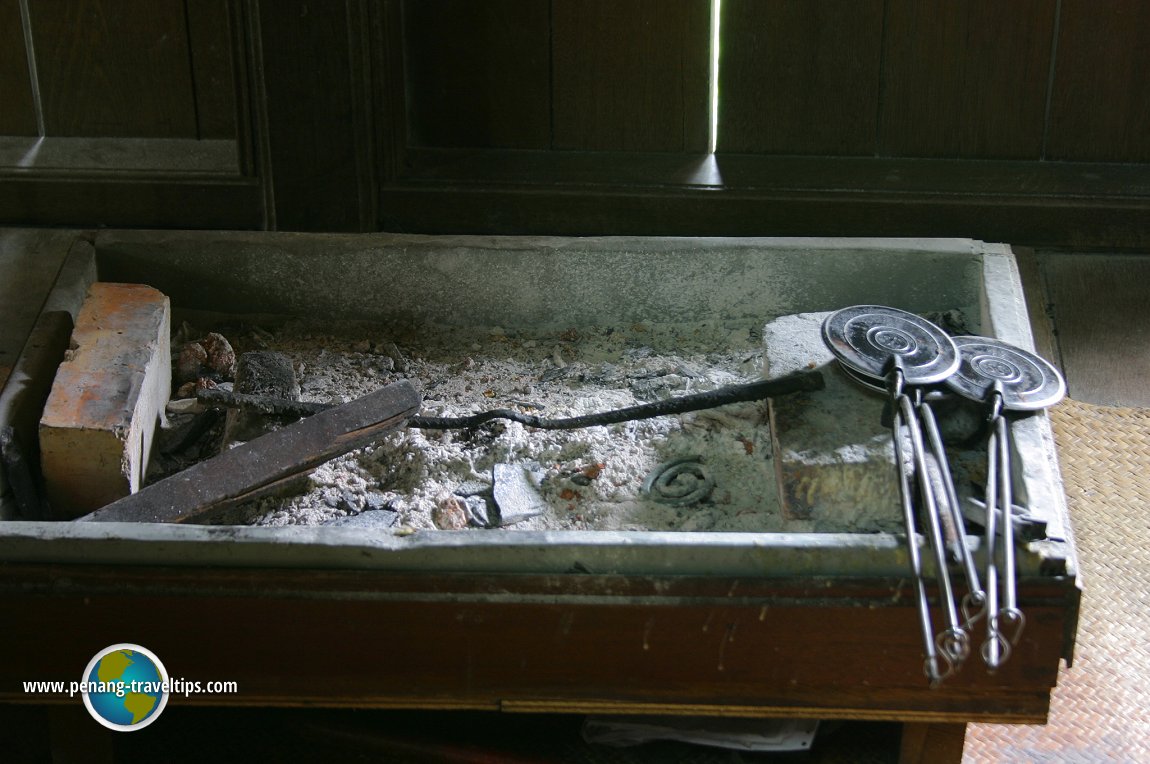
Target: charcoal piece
186	440
392	351
550	375
478	512
261	373
472	488
374	501
350	502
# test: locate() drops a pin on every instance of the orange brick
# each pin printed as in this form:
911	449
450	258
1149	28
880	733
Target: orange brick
97	428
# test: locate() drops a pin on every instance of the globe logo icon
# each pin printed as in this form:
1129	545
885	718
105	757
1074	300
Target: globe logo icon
125	687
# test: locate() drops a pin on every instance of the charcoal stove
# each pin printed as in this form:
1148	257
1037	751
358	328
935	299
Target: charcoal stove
780	624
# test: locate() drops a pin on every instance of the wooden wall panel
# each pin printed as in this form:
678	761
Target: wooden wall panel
631	75
799	77
315	141
133	202
114	68
1100	105
17	110
965	79
213	78
478	74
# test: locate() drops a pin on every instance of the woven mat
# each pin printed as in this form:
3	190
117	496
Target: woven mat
1100	711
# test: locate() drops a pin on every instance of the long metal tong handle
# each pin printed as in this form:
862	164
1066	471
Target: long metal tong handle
931	661
994	646
953	642
998	646
1010	618
974	603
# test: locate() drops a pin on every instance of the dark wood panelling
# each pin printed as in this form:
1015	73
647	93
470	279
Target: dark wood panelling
620	90
503	641
17	109
1100	105
1016	202
1046	181
213	79
965	79
478	74
141	201
175	156
114	68
631	75
389	92
317	148
799	77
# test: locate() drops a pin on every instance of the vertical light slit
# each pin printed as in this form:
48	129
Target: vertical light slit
33	76
716	7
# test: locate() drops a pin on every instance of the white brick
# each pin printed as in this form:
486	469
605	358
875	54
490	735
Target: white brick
833	458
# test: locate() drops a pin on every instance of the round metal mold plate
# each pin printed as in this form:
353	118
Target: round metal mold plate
1028	382
877	385
874	384
864	338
